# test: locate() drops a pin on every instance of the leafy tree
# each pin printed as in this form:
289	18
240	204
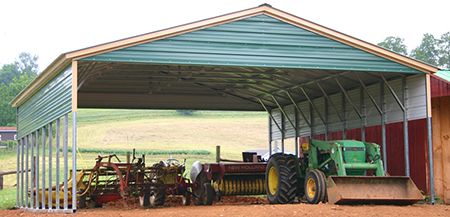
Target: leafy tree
27	64
444	50
395	44
428	50
14	77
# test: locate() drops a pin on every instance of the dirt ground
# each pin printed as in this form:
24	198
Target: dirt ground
250	207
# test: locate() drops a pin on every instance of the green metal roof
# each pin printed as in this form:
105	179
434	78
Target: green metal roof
258	41
444	74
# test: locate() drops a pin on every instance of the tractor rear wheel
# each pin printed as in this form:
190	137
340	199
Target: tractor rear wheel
315	187
281	179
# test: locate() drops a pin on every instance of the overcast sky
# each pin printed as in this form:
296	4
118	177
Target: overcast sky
48	28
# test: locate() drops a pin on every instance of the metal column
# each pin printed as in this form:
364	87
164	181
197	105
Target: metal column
27	144
362	107
344	116
43	168
58	132
405	122
50	177
405	125
17	176
296	132
282	133
22	160
430	138
74	160
37	170
32	174
383	127
270	133
66	161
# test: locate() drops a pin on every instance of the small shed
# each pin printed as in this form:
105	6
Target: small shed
8	133
311	80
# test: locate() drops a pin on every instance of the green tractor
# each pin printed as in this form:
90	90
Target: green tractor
338	172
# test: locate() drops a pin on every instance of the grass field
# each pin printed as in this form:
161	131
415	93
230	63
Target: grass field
156	131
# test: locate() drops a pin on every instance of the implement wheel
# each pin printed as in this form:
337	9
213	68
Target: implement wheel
315	187
158	197
281	179
144	199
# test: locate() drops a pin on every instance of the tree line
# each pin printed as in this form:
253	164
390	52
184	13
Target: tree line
432	50
15	76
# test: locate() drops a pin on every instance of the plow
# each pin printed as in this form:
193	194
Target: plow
112	180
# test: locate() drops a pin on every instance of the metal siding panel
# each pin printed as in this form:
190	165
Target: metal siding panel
416	110
50	102
439	87
259	41
276	133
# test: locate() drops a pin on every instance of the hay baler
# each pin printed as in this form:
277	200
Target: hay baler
340	172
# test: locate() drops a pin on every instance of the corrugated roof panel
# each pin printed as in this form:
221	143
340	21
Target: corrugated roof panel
259	41
444	74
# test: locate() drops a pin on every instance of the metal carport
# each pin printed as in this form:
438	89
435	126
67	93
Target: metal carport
312	80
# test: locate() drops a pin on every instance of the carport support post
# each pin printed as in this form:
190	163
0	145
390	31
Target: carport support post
17	175
66	161
363	112
43	168
405	122
270	133
33	142
58	132
26	169
383	127
74	160
296	132
22	154
50	177
344	116
74	132
429	137
282	133
37	169
405	125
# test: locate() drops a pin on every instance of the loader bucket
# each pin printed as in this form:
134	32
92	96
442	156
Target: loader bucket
399	190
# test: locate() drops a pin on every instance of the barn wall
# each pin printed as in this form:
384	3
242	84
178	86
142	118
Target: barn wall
439	87
441	146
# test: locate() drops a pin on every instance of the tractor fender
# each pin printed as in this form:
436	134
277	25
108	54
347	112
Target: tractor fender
196	169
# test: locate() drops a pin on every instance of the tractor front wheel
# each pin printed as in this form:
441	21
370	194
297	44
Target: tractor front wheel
315	187
281	179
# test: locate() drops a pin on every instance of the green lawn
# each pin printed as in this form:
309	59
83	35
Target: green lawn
7	198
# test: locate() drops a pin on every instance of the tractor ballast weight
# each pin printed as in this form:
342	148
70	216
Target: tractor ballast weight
340	172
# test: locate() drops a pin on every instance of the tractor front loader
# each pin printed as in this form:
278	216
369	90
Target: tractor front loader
340	172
